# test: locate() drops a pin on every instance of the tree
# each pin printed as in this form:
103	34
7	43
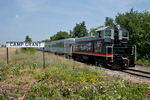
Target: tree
108	21
59	35
28	50
28	39
79	30
93	30
46	40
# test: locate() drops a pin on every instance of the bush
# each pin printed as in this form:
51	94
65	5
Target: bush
28	50
144	61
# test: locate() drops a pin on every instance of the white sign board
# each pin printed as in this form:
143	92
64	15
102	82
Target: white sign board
24	44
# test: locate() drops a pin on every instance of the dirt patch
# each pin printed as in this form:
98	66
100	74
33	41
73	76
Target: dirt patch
23	86
11	96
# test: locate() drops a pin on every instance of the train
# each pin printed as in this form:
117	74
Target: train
109	46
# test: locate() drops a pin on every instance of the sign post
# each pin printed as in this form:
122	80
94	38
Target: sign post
43	58
7	55
25	45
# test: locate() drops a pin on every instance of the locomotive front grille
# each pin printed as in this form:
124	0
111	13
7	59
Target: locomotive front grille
122	50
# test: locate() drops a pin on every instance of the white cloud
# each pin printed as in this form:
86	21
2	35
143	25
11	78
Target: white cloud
17	16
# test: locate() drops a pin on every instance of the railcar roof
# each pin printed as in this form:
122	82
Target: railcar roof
53	42
102	28
110	27
85	38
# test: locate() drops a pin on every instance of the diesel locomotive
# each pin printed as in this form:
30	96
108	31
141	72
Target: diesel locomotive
110	46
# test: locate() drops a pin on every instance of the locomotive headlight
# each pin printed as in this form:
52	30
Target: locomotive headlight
118	26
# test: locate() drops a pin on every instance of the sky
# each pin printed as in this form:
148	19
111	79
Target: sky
41	19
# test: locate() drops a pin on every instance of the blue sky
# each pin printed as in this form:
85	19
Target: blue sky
41	19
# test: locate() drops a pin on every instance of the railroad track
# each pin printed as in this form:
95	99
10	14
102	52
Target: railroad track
139	73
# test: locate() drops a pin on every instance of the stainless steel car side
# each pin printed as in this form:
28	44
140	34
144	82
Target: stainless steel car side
60	46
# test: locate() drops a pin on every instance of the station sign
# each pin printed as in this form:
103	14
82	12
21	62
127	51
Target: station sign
25	44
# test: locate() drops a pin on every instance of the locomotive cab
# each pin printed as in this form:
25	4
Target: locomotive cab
113	34
116	34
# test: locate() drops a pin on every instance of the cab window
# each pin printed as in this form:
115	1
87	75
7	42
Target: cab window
108	33
124	34
99	33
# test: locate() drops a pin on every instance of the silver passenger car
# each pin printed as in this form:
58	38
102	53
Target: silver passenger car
61	46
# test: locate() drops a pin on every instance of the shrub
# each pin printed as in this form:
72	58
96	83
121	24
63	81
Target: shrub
28	50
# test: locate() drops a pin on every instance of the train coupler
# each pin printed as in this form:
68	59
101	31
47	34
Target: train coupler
125	62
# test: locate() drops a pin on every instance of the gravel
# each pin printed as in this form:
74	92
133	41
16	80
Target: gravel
127	76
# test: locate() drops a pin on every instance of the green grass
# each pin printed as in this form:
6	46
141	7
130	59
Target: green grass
144	61
63	79
27	50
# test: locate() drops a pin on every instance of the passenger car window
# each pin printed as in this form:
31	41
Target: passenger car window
108	33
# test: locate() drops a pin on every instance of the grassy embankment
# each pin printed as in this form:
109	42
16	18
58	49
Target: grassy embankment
144	61
62	79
